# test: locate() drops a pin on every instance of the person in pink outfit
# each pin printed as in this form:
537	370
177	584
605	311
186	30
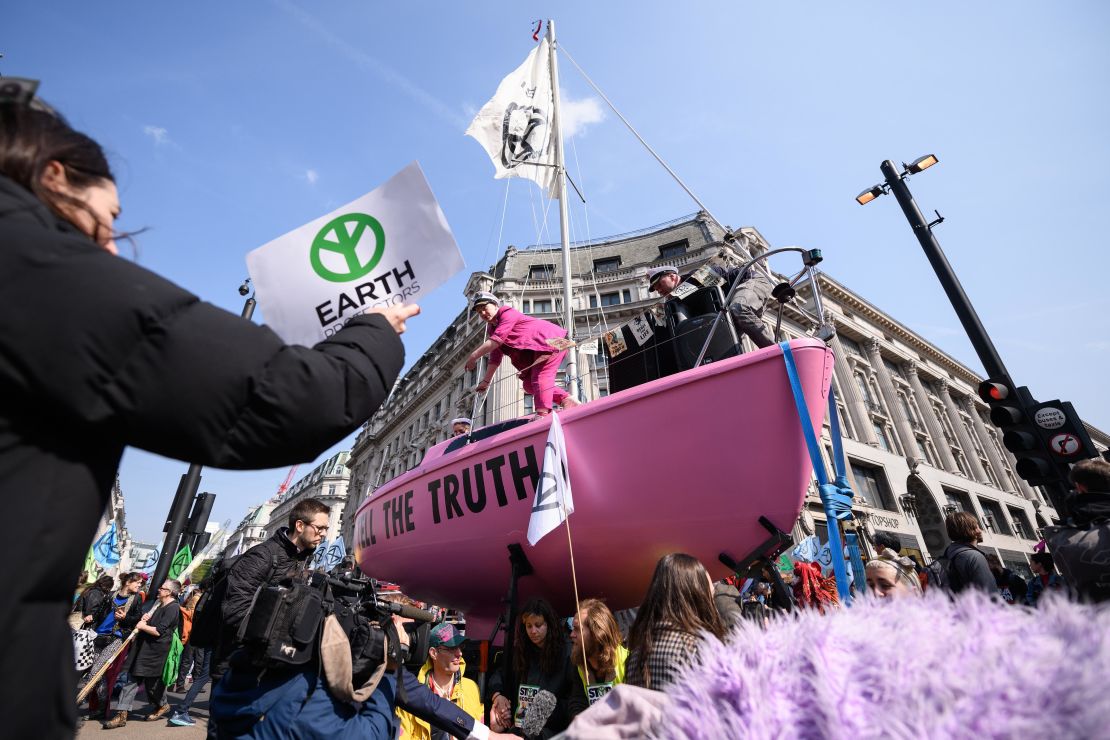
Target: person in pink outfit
525	340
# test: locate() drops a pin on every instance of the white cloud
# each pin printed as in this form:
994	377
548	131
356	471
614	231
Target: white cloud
1098	345
578	114
159	134
312	176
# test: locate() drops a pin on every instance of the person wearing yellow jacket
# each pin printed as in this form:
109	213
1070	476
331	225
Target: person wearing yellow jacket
595	626
443	674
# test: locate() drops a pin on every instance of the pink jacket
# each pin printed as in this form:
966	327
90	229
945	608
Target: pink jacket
521	335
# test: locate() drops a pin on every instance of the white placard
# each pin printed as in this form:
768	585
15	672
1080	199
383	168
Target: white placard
641	329
390	246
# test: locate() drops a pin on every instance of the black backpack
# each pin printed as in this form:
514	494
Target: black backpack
208	620
942	576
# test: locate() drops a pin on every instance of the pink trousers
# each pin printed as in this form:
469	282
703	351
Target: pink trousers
539	382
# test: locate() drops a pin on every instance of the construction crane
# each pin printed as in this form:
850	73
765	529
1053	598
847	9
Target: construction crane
285	484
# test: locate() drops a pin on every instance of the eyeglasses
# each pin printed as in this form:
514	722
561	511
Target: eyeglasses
163	588
319	529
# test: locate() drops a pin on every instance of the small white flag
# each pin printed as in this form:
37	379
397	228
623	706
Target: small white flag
553	502
390	246
515	126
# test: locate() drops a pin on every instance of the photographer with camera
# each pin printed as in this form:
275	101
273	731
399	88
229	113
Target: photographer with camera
268	675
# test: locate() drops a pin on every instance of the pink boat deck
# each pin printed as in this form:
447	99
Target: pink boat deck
685	463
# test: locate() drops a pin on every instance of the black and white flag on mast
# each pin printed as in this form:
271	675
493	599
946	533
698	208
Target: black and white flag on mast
553	502
516	128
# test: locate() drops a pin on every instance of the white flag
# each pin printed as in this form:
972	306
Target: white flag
554	501
390	246
515	127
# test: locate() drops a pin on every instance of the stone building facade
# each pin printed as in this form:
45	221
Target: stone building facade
251	530
916	433
328	482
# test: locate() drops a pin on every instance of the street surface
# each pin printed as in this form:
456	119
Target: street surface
137	727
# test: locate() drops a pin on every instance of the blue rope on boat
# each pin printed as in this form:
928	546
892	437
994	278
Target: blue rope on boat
836	496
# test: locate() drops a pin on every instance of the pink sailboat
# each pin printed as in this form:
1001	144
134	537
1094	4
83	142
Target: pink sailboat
687	463
708	459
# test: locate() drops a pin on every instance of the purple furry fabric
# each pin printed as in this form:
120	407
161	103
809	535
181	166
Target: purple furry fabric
912	668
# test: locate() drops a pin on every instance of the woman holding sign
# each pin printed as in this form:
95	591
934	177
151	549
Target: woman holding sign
540	663
97	353
534	346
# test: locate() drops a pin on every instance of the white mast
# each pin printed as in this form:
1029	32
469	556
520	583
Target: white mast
575	387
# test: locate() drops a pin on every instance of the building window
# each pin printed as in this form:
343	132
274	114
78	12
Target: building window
610	299
331	490
593	300
995	520
1022	528
674	249
541	272
881	436
626	295
529	404
608	264
541	306
871	485
850	345
436	409
960	500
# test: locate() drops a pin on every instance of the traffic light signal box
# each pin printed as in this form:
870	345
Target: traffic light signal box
1046	438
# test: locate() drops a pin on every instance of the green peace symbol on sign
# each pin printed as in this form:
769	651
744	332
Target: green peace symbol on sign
337	237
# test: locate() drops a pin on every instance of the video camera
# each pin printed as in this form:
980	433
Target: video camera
284	624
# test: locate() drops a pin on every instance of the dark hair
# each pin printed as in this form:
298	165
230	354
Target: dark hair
31	139
595	621
1093	474
306	509
889	541
126	578
961	526
104	583
1044	559
679	598
554	650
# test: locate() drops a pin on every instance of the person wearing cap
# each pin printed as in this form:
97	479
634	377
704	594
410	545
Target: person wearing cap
747	301
460	426
443	673
525	339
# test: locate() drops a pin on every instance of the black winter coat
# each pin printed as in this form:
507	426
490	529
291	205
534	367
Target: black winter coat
97	353
265	564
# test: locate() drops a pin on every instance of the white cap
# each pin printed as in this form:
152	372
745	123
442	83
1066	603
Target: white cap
462	420
657	272
484	297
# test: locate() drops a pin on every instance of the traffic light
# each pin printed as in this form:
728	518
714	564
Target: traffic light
1046	438
1009	412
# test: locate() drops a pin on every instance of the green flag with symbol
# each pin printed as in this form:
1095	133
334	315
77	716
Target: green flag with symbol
180	562
173	660
90	567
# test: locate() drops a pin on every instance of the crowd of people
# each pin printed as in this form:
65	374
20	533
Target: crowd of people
141	372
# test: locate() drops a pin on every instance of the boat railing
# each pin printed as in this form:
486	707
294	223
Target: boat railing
783	292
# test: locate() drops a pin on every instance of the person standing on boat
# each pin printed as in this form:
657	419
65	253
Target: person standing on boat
460	426
525	340
747	301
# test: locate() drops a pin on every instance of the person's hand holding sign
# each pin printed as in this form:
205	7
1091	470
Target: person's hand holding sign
397	315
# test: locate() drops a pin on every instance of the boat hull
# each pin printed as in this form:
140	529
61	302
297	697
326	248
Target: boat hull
685	463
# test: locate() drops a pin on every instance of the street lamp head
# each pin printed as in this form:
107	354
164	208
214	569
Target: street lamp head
869	195
245	288
921	163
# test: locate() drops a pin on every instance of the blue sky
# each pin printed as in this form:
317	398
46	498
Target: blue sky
230	124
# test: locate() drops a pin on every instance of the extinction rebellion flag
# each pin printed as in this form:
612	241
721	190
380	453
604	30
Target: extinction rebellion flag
390	246
515	126
554	501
